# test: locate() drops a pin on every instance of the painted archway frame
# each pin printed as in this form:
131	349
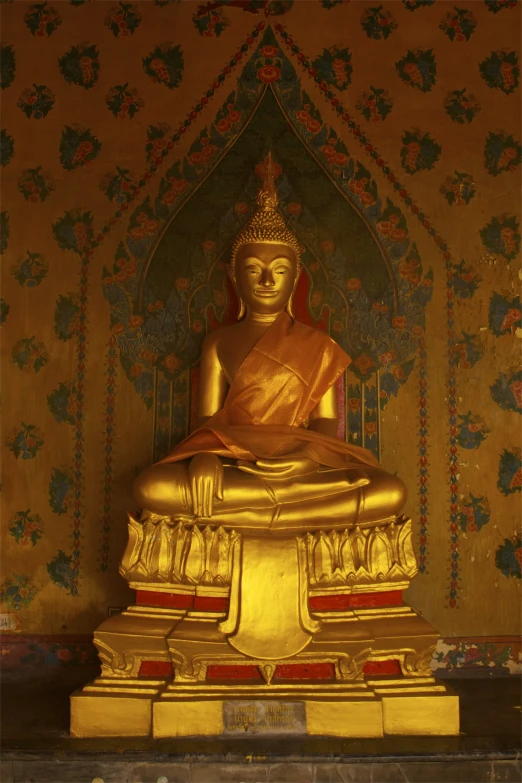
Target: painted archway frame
75	231
364	281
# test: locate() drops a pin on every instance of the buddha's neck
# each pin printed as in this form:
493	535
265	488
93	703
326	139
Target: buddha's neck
261	318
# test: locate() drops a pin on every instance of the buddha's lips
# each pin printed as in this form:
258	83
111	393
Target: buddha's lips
265	293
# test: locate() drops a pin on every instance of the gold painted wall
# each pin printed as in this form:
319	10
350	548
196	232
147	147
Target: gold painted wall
74	429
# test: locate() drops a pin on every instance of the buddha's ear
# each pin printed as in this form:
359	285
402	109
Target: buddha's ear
289	307
232	276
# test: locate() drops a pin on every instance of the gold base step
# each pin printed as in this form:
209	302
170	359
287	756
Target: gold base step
407	706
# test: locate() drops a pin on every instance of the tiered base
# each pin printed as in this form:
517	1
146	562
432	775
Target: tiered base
233	637
374	708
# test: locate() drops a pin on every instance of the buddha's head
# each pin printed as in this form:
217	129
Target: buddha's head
265	264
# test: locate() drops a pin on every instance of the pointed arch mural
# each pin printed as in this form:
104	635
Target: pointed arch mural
362	282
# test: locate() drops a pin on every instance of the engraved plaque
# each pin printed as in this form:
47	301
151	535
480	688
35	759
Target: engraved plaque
264	717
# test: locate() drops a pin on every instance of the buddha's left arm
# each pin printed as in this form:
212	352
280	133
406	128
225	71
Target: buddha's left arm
324	417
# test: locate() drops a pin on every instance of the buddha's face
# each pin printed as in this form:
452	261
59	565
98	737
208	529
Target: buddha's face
265	275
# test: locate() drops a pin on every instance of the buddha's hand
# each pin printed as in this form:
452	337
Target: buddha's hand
205	474
291	467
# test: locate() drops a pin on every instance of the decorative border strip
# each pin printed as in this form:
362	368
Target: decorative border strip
111	362
423	458
453	469
477	656
370	149
92	244
79	437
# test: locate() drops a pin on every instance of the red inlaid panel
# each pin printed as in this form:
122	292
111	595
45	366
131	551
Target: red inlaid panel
291	671
203	603
182	601
340	601
170	600
305	671
155	669
382	667
233	673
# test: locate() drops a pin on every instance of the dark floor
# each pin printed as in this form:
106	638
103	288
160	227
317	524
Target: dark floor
36	747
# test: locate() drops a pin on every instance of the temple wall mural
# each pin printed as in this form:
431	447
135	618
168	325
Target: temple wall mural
133	140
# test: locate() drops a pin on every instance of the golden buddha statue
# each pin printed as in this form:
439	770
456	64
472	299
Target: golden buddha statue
265	458
269	558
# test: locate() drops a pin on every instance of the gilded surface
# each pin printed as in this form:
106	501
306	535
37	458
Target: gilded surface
261	381
172	553
238	490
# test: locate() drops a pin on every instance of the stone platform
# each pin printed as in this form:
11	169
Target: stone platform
37	748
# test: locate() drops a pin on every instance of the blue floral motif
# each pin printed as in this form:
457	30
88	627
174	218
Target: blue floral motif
25	527
4	311
8	66
81	65
501	236
465	280
25	442
74	230
334	66
31	270
507	390
4	231
60	490
30	354
474	513
393	379
62	403
6	147
461	105
458	189
378	23
501	153
508	557
66	316
472	431
17	591
510	471
61	571
501	70
467	350
418	68
36	101
505	314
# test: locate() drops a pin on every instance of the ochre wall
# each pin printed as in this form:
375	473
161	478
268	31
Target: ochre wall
101	434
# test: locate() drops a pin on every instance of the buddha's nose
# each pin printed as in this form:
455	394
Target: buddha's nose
267	279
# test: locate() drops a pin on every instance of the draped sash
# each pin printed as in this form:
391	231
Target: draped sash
270	398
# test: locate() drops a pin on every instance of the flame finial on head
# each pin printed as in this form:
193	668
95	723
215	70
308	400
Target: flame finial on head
266	224
267	197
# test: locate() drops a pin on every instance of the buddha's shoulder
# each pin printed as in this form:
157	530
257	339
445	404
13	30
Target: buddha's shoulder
313	335
223	334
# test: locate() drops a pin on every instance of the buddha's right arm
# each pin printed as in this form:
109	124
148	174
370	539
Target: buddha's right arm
212	381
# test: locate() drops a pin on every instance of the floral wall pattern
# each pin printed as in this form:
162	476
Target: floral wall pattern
410	112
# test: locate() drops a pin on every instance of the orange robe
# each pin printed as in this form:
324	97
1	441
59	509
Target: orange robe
277	386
